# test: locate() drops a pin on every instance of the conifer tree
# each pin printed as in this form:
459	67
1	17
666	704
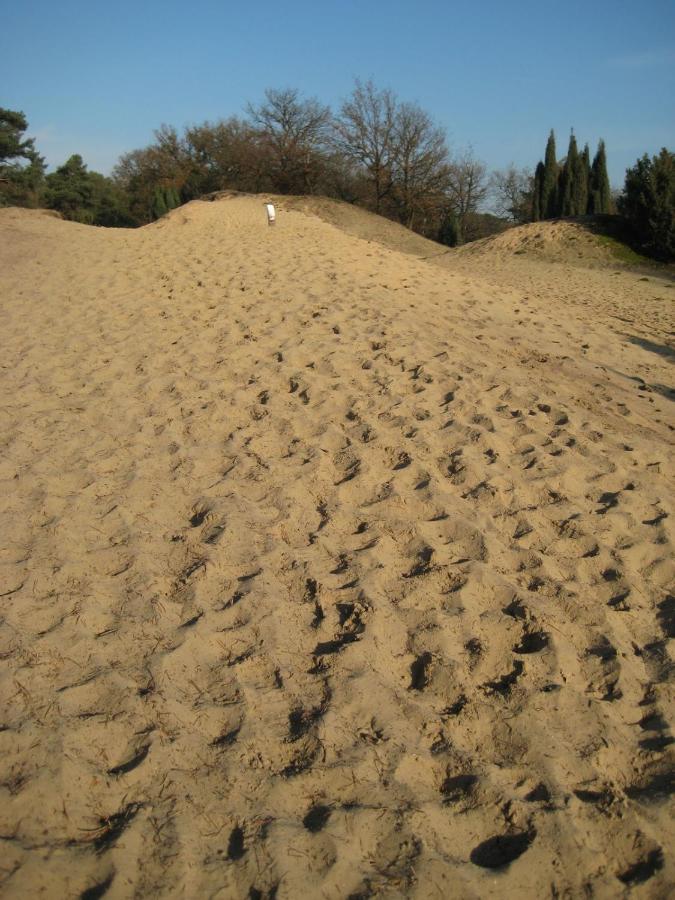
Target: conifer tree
171	198
536	192
450	232
581	181
21	166
549	185
567	199
601	201
159	207
648	203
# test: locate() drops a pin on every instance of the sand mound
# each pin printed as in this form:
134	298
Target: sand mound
556	241
19	214
348	218
327	571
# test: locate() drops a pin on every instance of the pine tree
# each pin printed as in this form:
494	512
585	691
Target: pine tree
549	185
601	199
536	192
21	166
567	199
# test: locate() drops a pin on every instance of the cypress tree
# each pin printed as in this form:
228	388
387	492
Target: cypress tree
600	192
536	192
450	232
549	185
172	198
567	199
581	182
159	207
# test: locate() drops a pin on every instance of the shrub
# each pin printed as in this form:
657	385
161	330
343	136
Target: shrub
648	203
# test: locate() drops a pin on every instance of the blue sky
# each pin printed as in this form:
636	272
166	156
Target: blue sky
97	79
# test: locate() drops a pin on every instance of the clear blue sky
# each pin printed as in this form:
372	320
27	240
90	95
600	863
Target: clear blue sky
97	79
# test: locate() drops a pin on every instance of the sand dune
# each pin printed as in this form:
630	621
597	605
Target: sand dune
328	570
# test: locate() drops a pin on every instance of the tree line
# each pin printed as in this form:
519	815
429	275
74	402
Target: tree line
376	151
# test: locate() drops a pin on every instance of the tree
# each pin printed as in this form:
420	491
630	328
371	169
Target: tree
648	203
13	145
467	186
420	163
568	172
537	210
70	191
601	197
224	155
159	206
365	132
449	232
84	196
513	193
549	184
163	165
478	225
580	182
293	132
21	166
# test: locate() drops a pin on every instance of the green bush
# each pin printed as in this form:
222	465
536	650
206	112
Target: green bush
648	203
85	196
450	232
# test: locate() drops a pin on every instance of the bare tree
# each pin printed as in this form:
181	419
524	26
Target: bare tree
293	132
365	131
467	185
511	190
421	163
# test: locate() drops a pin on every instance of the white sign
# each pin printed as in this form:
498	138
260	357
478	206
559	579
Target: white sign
271	214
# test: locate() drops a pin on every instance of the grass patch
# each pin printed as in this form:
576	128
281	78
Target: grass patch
625	254
615	234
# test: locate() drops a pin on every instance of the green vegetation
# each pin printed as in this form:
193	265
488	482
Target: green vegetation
377	152
600	199
648	204
21	166
582	180
571	187
537	211
449	233
548	204
568	177
623	253
85	196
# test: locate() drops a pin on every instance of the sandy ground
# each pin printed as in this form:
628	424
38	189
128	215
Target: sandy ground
330	571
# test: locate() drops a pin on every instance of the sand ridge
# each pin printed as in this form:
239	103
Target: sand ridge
329	571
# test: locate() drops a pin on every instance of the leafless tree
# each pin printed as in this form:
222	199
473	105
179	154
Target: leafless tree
421	163
365	132
293	132
511	190
467	185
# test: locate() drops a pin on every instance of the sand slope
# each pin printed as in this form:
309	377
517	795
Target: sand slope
327	571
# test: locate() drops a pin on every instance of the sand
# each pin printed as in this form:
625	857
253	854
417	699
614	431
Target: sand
330	570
